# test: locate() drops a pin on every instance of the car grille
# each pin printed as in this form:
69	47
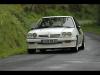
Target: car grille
51	36
43	36
54	35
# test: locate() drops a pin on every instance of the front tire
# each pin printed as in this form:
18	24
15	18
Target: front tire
42	50
83	45
31	51
75	49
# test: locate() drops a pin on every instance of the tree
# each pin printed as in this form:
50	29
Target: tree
98	15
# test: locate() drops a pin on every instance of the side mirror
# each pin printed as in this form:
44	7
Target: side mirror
79	27
32	28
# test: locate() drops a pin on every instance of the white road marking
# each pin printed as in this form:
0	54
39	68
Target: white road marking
77	61
60	66
83	61
57	66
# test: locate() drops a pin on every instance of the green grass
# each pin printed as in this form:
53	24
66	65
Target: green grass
91	28
14	25
11	52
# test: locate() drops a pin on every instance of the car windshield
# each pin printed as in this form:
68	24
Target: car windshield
55	22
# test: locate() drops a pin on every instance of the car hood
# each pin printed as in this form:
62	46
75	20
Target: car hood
51	30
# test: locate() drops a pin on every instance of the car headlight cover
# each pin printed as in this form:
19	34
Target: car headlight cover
34	35
69	33
31	35
64	34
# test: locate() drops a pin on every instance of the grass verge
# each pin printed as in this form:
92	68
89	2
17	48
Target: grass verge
11	52
93	28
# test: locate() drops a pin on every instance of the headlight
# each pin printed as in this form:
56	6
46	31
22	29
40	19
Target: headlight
64	34
32	35
69	33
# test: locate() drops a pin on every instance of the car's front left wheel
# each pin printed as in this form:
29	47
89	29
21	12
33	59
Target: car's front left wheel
43	50
31	51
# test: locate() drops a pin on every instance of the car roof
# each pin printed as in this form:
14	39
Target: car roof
56	16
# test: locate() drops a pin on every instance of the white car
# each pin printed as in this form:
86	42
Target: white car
55	32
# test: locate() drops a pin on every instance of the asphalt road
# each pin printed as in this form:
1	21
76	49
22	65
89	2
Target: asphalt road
61	60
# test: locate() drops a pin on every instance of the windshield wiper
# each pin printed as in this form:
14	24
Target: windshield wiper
68	27
63	26
57	26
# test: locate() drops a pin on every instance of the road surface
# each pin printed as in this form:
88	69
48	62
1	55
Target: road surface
61	60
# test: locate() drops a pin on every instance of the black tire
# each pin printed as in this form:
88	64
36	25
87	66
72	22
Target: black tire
83	46
76	49
42	50
31	51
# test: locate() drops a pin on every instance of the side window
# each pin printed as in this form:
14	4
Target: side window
77	24
69	22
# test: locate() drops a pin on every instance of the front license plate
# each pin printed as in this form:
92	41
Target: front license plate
49	41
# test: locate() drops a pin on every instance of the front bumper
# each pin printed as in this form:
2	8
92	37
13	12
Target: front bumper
63	43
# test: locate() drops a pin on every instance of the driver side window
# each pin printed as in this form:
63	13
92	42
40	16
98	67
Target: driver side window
77	25
76	22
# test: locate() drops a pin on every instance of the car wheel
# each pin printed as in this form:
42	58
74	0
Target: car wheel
75	49
83	45
31	51
43	50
